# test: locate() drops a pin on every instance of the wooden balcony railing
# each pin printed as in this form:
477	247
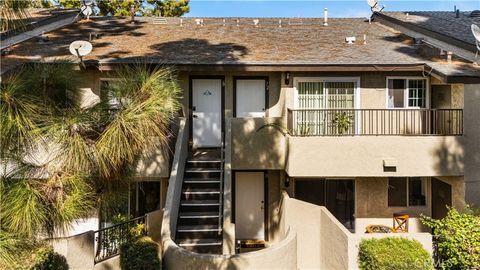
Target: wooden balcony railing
375	122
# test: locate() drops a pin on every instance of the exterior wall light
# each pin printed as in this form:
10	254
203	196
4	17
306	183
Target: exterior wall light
287	77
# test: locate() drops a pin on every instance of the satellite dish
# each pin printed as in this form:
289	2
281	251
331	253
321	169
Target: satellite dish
80	48
476	34
375	6
87	11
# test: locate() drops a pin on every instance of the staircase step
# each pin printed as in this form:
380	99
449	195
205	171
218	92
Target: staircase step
199	203
199	242
202	170
188	215
198	228
202	191
205	161
201	180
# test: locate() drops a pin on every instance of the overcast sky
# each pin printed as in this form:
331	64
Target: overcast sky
314	8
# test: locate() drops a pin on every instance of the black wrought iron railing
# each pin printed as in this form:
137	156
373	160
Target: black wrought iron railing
108	240
374	122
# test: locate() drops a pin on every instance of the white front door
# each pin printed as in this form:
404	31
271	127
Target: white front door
250	97
207	112
249	206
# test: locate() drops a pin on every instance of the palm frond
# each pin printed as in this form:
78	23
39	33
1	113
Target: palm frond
13	249
143	121
55	82
22	117
13	14
23	209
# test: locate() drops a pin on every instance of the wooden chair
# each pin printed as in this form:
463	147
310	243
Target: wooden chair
400	222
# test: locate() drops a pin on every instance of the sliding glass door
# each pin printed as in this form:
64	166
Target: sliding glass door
325	107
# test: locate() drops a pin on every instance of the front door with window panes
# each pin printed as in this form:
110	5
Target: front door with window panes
326	107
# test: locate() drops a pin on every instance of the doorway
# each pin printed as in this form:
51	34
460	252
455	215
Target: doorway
206	109
441	198
250	205
337	195
250	94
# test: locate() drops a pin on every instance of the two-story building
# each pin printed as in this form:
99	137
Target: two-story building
366	117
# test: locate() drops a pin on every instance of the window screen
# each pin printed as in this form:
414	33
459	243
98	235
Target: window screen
340	95
311	95
416	191
397	191
312	191
396	93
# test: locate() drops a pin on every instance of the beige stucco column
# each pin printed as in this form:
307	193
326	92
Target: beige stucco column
472	143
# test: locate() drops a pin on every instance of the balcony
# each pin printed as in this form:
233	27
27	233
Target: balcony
359	142
375	122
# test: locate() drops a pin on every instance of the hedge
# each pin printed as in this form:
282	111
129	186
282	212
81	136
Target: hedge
47	259
393	253
141	254
458	238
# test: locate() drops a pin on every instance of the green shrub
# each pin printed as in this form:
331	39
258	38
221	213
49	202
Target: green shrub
458	239
47	259
393	253
140	254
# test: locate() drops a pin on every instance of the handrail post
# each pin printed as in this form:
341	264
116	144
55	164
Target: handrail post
220	205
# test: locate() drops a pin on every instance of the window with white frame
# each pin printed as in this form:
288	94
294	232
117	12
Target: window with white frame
407	93
326	94
406	191
323	103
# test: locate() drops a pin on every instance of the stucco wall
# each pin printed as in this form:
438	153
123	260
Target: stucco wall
281	255
472	143
77	249
258	144
325	242
304	218
363	156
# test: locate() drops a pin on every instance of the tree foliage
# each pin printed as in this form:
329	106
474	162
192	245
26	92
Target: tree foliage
169	8
458	239
166	8
13	14
60	159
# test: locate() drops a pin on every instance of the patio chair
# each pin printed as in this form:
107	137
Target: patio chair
400	222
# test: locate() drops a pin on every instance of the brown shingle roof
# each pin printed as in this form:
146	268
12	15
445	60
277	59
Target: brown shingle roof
221	41
442	22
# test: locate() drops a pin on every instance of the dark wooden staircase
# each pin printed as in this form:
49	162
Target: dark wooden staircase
199	225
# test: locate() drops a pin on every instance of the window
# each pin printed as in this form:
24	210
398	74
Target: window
144	198
326	95
406	191
407	93
109	92
323	101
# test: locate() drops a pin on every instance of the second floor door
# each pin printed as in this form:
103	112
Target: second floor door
206	112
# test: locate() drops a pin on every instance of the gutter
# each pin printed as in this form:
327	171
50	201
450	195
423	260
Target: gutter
44	26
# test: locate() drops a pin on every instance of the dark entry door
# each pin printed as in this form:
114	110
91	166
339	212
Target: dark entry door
441	198
338	196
